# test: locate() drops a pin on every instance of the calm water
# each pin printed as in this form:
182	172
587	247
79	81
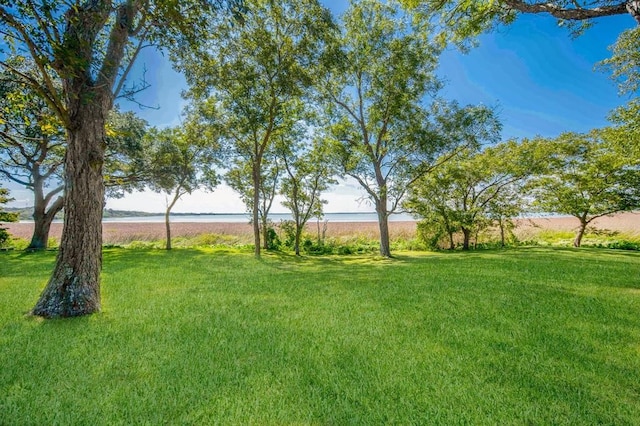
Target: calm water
276	217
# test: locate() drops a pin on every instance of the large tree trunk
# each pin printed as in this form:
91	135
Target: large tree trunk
466	234
42	219
74	287
383	224
583	227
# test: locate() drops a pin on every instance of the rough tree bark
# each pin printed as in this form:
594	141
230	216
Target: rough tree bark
74	287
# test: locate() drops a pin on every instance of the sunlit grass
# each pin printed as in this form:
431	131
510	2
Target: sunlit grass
539	336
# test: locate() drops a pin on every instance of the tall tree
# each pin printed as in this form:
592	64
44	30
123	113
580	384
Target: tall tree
89	46
179	163
251	76
588	177
381	72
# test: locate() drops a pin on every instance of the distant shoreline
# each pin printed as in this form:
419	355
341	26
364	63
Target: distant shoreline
244	218
118	232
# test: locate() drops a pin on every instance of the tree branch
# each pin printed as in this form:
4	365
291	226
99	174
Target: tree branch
573	14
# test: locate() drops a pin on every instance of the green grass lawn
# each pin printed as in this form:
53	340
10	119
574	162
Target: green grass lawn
523	336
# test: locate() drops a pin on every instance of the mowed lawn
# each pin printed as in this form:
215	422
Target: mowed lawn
523	336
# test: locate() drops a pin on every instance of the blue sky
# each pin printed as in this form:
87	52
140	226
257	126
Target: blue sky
541	81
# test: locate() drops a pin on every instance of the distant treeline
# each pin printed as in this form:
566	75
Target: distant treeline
26	213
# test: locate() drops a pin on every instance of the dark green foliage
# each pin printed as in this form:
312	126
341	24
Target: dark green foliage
273	241
5	216
623	245
288	228
433	234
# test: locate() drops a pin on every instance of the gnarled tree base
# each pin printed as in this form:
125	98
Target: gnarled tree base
68	295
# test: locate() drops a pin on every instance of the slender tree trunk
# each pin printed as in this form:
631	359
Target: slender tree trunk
452	244
256	203
583	227
450	232
167	226
167	214
383	224
265	232
296	244
501	224
42	224
74	287
466	234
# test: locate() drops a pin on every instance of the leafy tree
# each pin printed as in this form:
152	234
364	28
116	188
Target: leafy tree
249	79
307	174
125	167
5	216
178	165
89	46
240	178
625	134
33	143
381	70
473	188
32	146
588	177
624	63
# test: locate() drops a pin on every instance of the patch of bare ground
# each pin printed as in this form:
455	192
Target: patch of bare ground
628	223
124	232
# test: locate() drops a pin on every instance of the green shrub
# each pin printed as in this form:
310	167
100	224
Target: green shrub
273	241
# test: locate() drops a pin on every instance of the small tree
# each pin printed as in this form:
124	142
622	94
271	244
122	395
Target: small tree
307	174
178	165
470	190
5	216
240	178
587	177
32	146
